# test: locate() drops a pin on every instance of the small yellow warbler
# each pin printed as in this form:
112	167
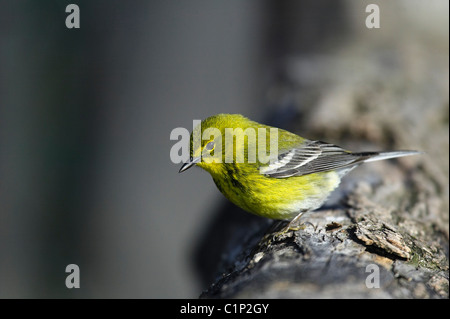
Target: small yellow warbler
296	179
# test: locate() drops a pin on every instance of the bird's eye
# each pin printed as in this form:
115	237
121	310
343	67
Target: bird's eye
209	146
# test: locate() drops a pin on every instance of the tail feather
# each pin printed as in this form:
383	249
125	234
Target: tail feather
387	155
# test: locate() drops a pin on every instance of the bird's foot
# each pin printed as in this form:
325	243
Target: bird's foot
286	232
291	227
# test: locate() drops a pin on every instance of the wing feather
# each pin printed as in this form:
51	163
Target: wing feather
312	157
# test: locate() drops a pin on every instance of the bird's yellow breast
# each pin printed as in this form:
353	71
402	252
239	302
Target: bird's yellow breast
276	198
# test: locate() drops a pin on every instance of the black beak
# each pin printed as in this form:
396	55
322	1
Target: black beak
189	164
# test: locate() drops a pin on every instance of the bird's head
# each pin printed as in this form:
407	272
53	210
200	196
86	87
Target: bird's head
223	139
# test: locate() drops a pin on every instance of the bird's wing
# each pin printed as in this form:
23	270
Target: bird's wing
312	157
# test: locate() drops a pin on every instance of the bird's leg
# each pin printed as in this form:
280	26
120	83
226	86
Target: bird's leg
292	226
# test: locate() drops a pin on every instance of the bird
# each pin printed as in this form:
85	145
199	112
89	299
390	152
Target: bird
296	179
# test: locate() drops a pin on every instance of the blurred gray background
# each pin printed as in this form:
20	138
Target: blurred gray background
86	115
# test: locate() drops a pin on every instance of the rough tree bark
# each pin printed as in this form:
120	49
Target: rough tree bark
389	217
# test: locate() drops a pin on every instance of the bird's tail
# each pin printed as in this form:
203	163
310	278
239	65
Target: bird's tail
387	155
